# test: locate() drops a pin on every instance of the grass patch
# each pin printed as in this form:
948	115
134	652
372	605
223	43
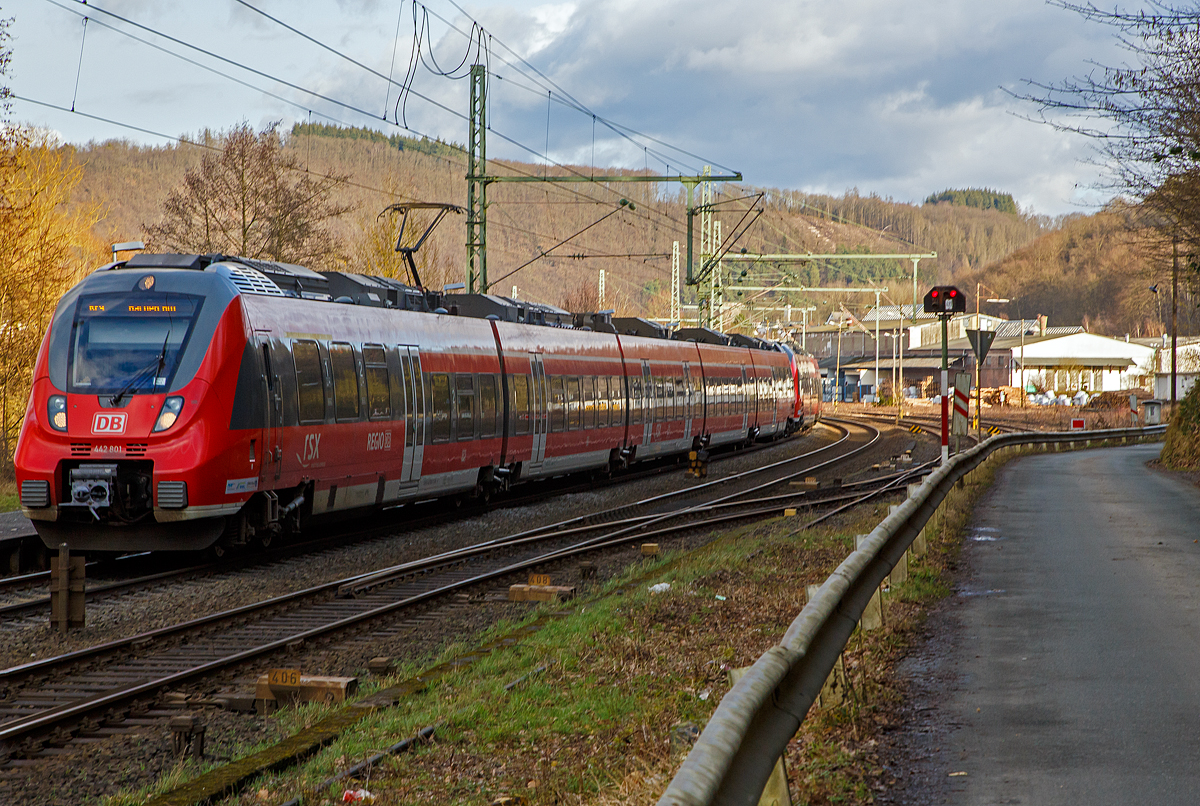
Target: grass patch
9	500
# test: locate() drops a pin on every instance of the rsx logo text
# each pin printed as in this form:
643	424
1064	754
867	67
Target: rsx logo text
312	449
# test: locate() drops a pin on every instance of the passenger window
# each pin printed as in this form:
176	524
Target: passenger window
345	381
379	394
439	394
520	403
669	399
588	402
635	400
487	406
573	418
558	405
658	413
310	381
603	396
464	385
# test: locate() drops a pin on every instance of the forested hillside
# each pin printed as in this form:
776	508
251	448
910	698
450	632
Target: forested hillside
1094	271
1084	267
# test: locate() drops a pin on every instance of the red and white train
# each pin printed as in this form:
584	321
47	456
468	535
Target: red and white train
182	401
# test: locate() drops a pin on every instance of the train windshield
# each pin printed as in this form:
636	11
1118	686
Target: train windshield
130	343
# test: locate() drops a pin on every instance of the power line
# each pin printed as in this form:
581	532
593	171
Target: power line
304	90
420	28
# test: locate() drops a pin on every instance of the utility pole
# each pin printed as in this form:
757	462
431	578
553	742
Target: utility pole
716	310
1174	308
945	390
676	299
477	183
600	294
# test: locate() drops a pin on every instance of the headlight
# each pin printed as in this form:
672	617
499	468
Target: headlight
170	413
56	409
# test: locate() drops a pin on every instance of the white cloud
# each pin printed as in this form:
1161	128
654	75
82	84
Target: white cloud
895	98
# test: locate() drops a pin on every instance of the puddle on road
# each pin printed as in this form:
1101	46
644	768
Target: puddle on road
989	592
984	534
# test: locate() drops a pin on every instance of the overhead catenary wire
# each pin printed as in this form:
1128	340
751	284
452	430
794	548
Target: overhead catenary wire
299	88
676	224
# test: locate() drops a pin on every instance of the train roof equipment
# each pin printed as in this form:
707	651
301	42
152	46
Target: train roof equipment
270	278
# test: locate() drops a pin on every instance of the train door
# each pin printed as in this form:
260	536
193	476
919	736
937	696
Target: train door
540	409
743	394
648	408
414	414
688	397
272	450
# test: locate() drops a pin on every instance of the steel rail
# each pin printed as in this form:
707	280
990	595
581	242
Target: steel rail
423	564
756	719
44	720
569	526
368	534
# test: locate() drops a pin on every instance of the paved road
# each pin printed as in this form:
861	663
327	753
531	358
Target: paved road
14	524
1074	671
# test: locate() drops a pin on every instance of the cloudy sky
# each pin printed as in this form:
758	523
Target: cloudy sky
901	99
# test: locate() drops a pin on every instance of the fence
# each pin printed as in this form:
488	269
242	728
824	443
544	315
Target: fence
751	727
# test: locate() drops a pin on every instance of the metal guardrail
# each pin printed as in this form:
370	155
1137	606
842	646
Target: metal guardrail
751	727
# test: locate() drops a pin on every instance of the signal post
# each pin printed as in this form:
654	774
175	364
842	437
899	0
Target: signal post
945	301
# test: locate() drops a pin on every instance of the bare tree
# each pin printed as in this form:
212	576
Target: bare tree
253	199
582	298
1143	116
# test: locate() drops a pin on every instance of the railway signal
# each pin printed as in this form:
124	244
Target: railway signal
945	301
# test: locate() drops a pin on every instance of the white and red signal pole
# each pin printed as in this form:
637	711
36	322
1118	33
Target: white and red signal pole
945	301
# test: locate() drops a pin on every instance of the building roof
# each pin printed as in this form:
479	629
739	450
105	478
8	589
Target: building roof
1093	362
910	362
892	313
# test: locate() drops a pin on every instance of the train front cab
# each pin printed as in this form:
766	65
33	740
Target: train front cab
125	441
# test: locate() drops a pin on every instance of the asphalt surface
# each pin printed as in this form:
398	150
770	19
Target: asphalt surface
1069	669
14	525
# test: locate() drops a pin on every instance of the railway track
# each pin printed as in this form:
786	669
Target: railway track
25	591
81	695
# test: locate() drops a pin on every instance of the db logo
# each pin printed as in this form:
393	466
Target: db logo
104	423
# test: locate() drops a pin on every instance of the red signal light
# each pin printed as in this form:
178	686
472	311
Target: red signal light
953	292
935	293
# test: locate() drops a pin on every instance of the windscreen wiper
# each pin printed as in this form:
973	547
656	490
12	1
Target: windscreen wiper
156	365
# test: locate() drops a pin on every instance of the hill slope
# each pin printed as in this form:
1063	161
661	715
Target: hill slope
529	219
1093	270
